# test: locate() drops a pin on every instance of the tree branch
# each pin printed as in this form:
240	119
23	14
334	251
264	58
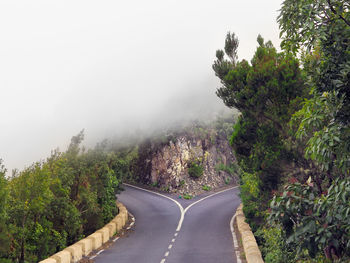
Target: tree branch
335	12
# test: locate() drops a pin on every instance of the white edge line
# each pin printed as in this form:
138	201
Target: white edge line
187	208
176	202
234	238
183	211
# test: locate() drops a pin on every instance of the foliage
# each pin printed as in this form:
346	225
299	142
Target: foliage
231	168
326	137
206	188
266	92
251	195
310	217
4	239
312	222
54	203
273	245
195	170
187	196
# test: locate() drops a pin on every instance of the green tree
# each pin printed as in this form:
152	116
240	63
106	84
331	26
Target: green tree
316	218
4	238
29	196
266	92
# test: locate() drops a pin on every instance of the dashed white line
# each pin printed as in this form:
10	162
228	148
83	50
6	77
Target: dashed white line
182	210
93	257
163	260
170	246
173	240
99	252
166	254
132	223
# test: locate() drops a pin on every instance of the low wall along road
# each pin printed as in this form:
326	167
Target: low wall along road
251	249
85	246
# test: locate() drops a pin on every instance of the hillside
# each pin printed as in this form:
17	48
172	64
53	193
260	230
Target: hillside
189	160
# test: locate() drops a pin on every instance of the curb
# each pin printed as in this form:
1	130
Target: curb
251	249
83	247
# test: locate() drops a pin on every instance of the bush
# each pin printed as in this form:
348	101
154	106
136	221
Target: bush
187	196
273	245
206	188
231	168
315	223
195	170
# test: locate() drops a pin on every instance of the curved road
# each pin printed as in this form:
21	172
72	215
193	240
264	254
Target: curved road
177	230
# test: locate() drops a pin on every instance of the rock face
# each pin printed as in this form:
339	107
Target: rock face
165	162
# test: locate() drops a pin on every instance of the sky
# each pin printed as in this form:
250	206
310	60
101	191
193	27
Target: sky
113	67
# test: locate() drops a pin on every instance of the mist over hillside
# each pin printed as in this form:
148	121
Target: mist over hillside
112	68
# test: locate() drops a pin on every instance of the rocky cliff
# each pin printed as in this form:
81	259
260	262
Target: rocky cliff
190	160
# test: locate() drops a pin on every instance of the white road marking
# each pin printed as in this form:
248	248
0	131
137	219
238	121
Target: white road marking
128	228
176	202
132	216
92	257
115	239
170	246
182	210
200	200
234	238
132	223
173	240
99	252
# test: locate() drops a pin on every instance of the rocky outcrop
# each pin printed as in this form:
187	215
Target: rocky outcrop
165	161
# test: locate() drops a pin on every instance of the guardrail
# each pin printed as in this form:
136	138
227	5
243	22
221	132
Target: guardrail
84	247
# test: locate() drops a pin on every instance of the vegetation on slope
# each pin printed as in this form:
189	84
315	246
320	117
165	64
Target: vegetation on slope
54	203
293	137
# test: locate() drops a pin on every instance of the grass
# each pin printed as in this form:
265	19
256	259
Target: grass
187	196
206	188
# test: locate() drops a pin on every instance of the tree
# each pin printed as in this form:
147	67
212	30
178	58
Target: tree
317	217
266	92
4	238
323	28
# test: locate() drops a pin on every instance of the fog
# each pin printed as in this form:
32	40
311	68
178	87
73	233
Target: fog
113	67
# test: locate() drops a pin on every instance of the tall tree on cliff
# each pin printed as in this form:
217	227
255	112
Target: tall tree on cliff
265	93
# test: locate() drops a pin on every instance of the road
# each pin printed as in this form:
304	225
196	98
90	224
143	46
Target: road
172	230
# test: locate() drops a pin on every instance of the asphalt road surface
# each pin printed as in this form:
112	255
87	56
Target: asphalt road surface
172	230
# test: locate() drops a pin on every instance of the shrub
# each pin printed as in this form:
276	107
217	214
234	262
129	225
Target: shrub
206	188
315	223
195	170
187	196
273	245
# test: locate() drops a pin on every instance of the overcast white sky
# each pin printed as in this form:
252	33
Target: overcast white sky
112	66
